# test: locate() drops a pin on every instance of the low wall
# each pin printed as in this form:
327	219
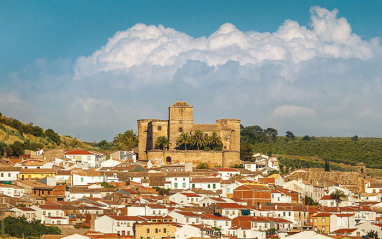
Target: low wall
212	158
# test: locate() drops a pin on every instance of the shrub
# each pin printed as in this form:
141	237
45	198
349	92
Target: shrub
207	149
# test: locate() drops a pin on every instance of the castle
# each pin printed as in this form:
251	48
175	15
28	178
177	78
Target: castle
181	121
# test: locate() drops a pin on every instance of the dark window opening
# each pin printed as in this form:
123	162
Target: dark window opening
168	159
159	127
180	129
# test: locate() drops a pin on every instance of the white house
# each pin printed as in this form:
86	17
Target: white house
185	198
28	213
45	213
212	184
12	190
9	173
226	173
110	163
82	178
191	231
122	225
177	181
223	223
85	158
251	166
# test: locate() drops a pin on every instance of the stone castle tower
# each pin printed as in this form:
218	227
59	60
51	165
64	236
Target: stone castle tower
181	120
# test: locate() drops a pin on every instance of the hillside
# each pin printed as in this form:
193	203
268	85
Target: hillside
16	136
346	150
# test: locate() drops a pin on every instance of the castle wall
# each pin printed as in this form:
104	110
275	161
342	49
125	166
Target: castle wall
142	137
212	158
156	129
234	136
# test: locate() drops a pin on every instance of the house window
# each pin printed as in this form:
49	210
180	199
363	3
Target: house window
214	185
9	174
184	185
181	169
227	190
2	174
323	228
315	220
209	186
174	169
273	196
82	179
148	230
159	127
156	230
176	185
164	230
323	219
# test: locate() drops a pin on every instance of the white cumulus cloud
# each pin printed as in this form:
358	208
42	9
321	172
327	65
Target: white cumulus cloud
155	53
293	111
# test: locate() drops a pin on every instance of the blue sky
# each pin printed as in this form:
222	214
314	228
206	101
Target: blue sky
265	62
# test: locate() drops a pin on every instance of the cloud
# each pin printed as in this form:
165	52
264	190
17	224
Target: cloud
318	80
293	111
141	49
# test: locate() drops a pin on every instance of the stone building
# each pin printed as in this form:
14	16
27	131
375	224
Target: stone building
181	121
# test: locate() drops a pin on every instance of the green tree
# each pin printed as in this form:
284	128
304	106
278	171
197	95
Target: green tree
104	145
337	196
290	135
327	166
271	133
198	139
246	151
354	138
214	140
271	231
126	141
17	149
310	201
183	141
53	136
372	234
162	142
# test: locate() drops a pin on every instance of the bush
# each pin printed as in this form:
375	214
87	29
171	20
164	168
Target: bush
207	149
202	166
218	149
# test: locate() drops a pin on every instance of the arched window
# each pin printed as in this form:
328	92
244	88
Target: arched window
168	159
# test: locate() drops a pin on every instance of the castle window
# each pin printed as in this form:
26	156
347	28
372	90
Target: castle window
168	159
180	129
159	127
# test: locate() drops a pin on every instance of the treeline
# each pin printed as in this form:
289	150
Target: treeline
21	228
348	150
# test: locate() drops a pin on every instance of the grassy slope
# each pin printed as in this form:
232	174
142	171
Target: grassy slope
338	149
10	135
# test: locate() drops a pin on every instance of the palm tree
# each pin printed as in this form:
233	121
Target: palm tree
337	196
125	141
183	140
214	140
162	142
198	139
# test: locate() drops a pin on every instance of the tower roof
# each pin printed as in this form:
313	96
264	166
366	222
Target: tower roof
180	104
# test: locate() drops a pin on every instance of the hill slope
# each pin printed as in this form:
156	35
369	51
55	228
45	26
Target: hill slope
16	136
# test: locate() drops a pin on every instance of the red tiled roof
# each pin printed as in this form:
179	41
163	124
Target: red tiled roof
227	170
344	230
230	205
78	152
326	197
323	215
191	194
